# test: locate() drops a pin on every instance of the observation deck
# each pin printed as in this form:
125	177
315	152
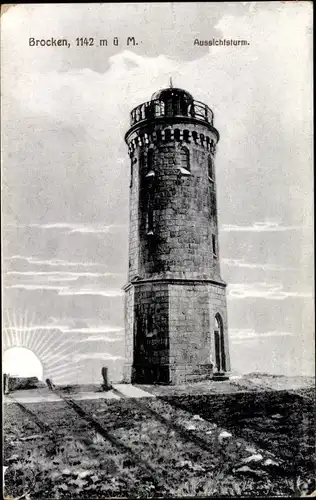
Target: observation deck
170	105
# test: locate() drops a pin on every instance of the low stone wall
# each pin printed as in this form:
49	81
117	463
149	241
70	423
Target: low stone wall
20	383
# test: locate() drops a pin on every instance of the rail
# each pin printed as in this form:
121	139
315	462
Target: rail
175	107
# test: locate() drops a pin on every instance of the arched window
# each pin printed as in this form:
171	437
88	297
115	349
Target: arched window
185	158
219	344
218	322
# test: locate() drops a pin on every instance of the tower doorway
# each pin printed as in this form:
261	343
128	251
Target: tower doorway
220	357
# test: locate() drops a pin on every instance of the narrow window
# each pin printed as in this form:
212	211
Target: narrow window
150	324
132	168
220	355
141	162
184	165
150	158
150	172
210	167
213	201
150	215
185	159
214	245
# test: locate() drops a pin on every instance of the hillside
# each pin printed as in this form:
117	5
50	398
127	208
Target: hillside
201	440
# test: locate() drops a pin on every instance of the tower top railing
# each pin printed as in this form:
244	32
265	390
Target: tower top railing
171	108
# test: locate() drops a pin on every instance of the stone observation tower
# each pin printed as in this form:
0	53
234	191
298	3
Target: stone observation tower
175	306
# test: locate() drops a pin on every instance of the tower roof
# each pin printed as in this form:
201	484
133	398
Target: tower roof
172	92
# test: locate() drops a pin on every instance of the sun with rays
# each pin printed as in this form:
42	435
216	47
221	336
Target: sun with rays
30	350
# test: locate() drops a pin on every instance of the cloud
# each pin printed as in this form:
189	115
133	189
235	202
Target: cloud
67	329
91	291
36	287
63	290
260	227
99	338
57	274
249	265
53	262
239	336
94	329
266	291
35	328
96	355
97	230
71	228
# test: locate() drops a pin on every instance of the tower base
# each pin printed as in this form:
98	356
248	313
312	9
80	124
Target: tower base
170	331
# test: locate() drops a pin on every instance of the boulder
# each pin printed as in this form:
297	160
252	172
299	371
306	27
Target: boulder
251	472
224	435
197	417
253	458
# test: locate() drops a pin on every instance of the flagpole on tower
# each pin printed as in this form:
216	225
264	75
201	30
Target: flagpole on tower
170	83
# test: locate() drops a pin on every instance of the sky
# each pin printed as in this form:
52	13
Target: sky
65	173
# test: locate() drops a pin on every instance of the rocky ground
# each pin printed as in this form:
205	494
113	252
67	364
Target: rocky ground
199	440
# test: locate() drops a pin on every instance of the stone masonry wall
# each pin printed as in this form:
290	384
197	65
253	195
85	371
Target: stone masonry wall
129	333
190	337
184	218
192	310
151	333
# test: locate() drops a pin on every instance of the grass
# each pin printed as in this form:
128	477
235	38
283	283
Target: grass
161	447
